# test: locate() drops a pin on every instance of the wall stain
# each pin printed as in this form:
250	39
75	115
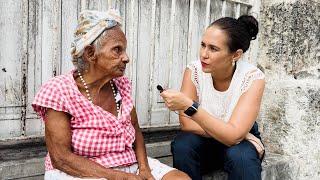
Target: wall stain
293	33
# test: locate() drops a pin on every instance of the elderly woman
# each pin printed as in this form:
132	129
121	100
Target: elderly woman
220	130
91	126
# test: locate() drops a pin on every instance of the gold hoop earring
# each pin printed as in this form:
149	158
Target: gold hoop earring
233	62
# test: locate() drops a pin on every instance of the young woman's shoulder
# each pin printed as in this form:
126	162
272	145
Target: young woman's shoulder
194	65
246	67
249	73
196	72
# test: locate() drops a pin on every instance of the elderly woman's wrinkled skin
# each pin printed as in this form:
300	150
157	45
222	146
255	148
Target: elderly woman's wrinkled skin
104	64
112	58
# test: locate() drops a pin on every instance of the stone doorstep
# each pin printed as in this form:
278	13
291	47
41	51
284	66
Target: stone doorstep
22	168
274	166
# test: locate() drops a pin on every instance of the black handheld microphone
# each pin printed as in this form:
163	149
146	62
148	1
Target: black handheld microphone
160	88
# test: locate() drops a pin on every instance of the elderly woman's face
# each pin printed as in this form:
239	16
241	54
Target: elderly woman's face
112	57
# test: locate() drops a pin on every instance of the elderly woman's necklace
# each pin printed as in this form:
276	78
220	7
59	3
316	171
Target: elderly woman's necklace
114	92
85	86
115	95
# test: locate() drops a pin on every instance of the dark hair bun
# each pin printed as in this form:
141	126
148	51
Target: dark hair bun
251	25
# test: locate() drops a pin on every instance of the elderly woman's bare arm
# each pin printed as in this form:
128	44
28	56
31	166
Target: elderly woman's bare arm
58	142
140	148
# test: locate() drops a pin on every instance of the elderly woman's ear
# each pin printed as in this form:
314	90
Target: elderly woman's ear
89	53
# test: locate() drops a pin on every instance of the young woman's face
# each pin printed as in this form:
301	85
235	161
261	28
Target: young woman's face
214	52
112	57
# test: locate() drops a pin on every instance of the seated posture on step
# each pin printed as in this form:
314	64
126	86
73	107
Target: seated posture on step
91	126
219	102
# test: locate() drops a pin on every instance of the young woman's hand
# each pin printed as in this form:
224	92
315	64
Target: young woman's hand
175	100
257	144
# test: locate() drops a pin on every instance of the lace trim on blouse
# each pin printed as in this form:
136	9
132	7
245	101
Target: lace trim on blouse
222	104
249	78
194	76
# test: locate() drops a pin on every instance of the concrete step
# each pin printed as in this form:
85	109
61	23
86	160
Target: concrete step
27	163
278	169
275	166
24	158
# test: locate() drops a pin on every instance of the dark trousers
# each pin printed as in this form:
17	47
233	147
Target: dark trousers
197	155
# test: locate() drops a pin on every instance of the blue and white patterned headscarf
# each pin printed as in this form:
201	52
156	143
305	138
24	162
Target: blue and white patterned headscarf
91	24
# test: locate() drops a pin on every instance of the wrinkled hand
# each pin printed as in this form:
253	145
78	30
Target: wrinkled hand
176	100
146	174
128	176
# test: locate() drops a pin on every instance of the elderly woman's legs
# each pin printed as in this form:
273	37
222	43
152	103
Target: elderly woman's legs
164	172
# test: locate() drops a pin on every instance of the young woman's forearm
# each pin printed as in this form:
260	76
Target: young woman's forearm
224	132
188	125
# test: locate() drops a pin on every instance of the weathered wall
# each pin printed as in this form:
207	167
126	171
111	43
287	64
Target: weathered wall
163	36
290	58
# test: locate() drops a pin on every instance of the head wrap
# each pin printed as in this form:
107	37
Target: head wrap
91	24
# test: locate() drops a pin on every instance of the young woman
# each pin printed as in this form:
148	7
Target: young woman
219	102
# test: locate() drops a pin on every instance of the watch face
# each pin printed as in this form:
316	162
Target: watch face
192	109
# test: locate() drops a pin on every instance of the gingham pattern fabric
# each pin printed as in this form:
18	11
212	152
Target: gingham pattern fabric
158	170
96	133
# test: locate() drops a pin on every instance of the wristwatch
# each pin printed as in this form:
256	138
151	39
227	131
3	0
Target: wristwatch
192	109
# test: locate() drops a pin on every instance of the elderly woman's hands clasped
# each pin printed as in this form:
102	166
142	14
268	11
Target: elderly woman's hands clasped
146	174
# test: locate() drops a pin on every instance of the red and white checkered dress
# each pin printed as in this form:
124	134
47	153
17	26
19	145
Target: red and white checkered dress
96	133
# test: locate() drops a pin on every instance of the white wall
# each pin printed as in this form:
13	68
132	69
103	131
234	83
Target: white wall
163	36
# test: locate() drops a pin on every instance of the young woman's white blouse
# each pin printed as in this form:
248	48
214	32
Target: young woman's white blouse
221	104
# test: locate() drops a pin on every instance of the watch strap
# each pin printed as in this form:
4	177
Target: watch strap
192	109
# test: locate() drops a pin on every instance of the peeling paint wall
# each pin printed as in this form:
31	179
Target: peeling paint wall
163	36
290	57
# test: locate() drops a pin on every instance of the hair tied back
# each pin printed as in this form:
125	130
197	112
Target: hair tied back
251	24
